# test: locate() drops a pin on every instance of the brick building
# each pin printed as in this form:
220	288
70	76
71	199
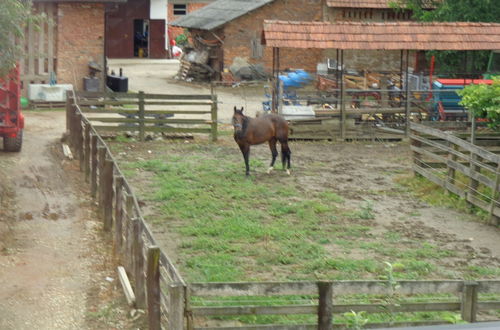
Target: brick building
180	8
64	45
232	28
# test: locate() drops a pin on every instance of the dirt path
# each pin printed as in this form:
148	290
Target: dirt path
53	260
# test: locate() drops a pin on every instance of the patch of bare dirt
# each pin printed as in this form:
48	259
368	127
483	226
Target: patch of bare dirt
54	259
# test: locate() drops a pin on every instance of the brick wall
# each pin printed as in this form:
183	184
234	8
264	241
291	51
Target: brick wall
80	35
239	33
174	30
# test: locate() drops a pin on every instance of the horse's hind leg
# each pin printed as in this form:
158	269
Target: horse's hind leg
285	155
274	153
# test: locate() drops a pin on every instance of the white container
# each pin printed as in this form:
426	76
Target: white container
46	92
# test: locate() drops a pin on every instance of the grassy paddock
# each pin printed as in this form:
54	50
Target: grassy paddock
275	228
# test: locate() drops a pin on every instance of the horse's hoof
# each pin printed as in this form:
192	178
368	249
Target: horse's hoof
288	172
269	170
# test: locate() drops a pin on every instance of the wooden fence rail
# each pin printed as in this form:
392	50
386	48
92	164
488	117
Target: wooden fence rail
172	303
467	170
133	241
142	113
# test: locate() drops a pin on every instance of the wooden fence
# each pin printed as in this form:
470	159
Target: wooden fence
143	113
171	303
158	286
465	169
323	300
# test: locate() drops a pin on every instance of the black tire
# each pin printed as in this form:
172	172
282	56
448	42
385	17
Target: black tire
13	144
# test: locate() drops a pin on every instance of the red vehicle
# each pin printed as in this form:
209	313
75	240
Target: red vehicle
11	118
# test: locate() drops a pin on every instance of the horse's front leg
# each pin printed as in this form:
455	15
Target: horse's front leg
245	150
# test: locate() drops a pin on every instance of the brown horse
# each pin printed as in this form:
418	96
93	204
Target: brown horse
271	128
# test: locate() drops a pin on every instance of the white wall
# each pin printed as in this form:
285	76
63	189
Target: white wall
158	10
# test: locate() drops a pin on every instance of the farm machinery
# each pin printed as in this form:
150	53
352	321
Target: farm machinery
11	118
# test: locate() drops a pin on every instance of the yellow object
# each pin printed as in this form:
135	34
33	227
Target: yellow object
141	52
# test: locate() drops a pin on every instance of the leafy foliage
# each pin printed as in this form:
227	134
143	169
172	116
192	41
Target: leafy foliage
455	11
14	16
484	101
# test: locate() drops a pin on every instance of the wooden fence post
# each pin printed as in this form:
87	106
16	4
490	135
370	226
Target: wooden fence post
107	198
415	155
101	157
118	215
473	183
69	108
141	116
325	308
140	292
176	308
93	170
127	245
451	171
495	198
153	288
469	301
214	108
86	152
79	139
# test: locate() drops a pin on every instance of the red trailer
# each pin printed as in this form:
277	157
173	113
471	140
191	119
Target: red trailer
11	118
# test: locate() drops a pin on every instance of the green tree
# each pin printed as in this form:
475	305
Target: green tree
484	101
455	11
14	15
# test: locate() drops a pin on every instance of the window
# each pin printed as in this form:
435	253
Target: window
180	10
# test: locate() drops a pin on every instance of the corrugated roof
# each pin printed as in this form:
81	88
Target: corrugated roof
393	35
218	13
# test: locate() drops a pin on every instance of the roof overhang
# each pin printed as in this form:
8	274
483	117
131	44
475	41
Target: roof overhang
382	36
82	1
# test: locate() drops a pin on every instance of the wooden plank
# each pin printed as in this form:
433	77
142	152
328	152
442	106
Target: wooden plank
93	167
325	308
86	103
463	144
153	129
86	151
141	116
31	49
437	180
264	326
488	286
469	301
127	288
127	111
254	310
213	117
252	289
153	288
118	238
149	121
207	103
176	310
178	96
139	262
96	95
310	288
488	306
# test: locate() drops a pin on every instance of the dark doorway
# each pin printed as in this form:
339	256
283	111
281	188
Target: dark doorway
141	37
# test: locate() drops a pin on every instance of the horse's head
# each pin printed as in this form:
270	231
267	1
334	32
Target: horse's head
238	120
